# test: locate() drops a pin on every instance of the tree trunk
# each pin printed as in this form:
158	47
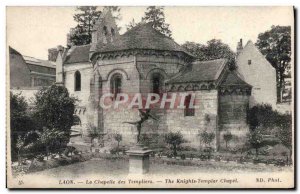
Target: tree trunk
174	151
226	144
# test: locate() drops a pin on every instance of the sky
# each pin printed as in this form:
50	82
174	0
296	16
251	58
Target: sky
33	30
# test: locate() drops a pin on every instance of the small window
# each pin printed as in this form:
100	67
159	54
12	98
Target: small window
105	30
188	111
249	62
157	83
116	84
112	31
77	81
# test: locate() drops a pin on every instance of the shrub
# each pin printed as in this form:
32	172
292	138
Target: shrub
207	138
182	156
174	139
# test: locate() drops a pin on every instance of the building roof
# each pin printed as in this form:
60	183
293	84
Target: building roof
34	61
200	71
77	54
233	79
13	51
142	36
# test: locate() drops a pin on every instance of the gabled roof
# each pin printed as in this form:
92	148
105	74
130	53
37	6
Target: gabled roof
200	71
142	36
77	54
233	79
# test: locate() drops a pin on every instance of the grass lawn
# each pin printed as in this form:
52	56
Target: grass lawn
120	168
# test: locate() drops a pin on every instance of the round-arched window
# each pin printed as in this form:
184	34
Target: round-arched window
116	84
77	81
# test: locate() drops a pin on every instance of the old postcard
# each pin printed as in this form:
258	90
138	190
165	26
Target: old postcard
150	97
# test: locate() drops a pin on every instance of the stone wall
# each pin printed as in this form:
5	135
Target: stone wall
205	118
233	118
83	95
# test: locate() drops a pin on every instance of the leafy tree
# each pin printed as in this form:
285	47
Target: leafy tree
118	138
255	139
20	121
49	139
156	16
214	49
174	139
86	18
227	138
54	109
207	138
275	44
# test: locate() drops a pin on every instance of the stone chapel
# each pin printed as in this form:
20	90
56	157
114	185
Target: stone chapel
142	60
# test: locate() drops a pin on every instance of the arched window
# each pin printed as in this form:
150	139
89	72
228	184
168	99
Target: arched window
187	110
77	81
157	83
116	84
105	30
112	31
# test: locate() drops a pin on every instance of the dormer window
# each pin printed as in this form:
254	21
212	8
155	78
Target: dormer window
249	62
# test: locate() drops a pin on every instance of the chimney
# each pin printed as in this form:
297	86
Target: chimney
52	54
239	47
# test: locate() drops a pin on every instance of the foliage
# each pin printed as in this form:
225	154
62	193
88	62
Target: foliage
20	121
227	137
214	49
207	138
156	16
174	139
285	131
54	109
275	44
86	17
255	138
50	139
93	132
262	115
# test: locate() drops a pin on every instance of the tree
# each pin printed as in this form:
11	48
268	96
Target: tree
227	137
262	115
20	121
86	18
118	138
275	44
49	139
156	16
255	139
207	138
214	49
54	109
174	139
